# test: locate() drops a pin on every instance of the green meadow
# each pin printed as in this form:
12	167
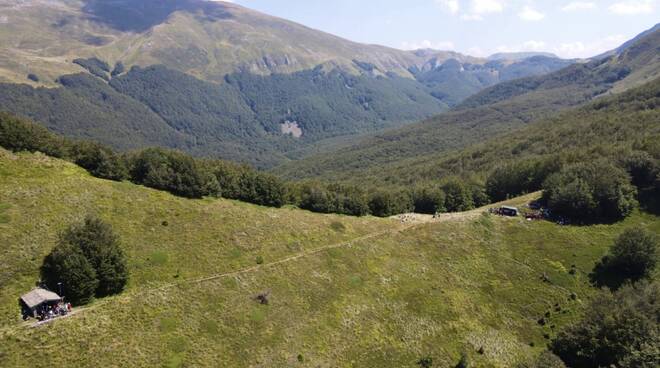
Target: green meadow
342	291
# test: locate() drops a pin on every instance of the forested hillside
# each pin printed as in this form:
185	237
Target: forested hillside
610	128
240	119
492	113
234	83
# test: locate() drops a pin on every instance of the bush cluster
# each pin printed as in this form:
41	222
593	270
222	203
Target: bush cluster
88	261
590	192
520	177
632	257
620	329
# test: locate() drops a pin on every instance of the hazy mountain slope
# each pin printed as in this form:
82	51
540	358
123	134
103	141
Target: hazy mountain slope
512	56
205	39
232	82
495	111
453	80
343	291
606	128
635	64
244	118
85	107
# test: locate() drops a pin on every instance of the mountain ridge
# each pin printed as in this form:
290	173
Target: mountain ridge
214	39
495	111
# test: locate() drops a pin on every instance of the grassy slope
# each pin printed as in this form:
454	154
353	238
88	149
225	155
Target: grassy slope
385	300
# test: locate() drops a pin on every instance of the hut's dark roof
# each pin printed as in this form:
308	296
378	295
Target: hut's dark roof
39	296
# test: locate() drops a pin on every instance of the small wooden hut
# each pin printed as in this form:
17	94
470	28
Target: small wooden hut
37	301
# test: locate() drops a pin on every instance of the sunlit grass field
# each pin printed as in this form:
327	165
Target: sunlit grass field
343	291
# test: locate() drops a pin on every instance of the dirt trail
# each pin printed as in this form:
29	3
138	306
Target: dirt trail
405	222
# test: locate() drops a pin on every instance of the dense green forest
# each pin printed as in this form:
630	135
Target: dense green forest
239	119
623	129
494	112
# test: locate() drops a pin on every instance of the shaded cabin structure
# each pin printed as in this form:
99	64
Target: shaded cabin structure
37	302
509	211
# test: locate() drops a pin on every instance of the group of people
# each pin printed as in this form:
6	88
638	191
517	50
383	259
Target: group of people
54	311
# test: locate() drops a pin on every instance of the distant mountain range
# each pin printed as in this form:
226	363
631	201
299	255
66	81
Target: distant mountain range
397	156
205	39
218	79
514	56
231	82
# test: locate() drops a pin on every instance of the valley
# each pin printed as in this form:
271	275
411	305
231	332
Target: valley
192	183
224	101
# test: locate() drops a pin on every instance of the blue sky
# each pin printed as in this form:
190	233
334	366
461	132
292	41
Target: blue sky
478	27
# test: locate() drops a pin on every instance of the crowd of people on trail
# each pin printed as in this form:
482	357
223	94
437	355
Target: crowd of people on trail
52	311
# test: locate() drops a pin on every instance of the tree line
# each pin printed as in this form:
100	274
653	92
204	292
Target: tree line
592	191
186	176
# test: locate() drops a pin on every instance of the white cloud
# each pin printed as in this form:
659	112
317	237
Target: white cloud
579	5
487	6
478	8
475	17
476	51
530	45
530	14
580	49
451	5
633	7
427	44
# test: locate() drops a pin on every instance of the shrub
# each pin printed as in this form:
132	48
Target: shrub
463	363
94	66
429	200
518	178
173	171
479	196
426	362
347	200
384	204
619	329
633	257
33	77
67	264
99	160
262	189
458	196
641	167
118	69
590	192
20	135
314	197
100	245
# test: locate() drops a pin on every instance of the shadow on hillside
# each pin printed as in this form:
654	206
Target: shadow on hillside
141	15
606	275
650	201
